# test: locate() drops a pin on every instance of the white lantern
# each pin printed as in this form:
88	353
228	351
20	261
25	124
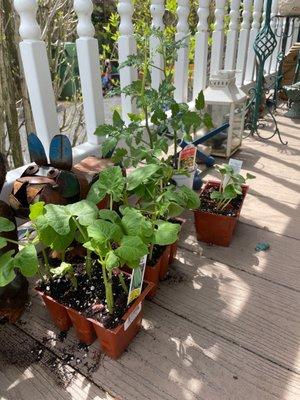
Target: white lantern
225	102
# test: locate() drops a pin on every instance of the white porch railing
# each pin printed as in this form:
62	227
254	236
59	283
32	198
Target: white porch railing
232	49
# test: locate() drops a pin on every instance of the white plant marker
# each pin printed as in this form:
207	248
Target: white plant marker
201	49
157	10
37	72
218	38
127	46
243	43
182	63
89	67
249	76
232	36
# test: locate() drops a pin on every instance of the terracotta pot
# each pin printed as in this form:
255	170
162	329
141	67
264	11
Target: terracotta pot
103	203
84	329
214	228
173	249
164	263
114	341
57	312
152	275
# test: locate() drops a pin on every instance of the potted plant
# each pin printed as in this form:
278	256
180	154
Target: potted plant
220	206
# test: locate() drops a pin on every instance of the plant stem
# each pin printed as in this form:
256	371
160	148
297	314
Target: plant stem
108	290
88	263
111	203
46	262
122	281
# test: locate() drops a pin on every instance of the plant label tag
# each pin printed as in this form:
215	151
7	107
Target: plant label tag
187	158
132	316
137	279
236	165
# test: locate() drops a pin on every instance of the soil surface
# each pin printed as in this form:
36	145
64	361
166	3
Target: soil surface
89	296
157	253
210	206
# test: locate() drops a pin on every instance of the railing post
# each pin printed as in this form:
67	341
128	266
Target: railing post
201	49
37	72
89	67
127	46
249	76
157	10
218	38
243	43
182	64
232	35
273	27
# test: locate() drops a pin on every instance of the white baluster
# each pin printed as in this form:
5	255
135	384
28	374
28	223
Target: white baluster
296	30
127	46
201	49
37	72
218	38
290	36
243	43
277	50
182	63
268	65
232	35
89	67
249	76
157	10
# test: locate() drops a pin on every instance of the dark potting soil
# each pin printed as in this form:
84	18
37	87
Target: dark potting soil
210	206
89	296
157	253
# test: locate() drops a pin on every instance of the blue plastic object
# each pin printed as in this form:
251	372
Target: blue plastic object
36	150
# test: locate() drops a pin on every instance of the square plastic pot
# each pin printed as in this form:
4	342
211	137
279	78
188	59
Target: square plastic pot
158	271
214	228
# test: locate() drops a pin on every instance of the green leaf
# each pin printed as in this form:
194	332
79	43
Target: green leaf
140	175
174	210
62	270
108	146
208	121
216	195
58	217
102	231
112	261
50	238
135	224
111	182
191	119
27	260
36	210
3	242
104	130
7	273
250	176
6	225
117	120
109	215
85	210
166	233
131	250
192	200
200	101
229	192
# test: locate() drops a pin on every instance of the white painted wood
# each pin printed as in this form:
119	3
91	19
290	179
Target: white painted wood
290	37
296	30
279	31
218	38
273	23
37	72
89	67
201	49
182	63
232	36
157	10
243	43
127	46
250	66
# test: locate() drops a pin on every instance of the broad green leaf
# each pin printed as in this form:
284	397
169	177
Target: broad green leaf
3	242
108	146
58	218
215	195
49	237
7	273
166	233
192	199
27	260
200	101
250	176
112	261
135	224
111	182
102	231
229	192
62	270
104	130
36	210
6	225
117	120
85	210
109	215
174	210
140	175
191	119
131	250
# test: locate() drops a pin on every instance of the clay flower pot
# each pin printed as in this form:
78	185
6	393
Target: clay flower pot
158	271
215	228
83	328
58	312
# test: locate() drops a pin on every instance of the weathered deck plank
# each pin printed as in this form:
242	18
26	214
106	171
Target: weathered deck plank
261	316
23	377
173	358
280	264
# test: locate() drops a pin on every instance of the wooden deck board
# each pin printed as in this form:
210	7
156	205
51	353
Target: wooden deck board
23	377
172	358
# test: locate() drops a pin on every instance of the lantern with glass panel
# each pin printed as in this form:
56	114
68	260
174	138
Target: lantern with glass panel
225	102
